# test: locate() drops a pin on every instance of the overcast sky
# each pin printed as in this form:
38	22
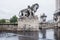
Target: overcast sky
8	8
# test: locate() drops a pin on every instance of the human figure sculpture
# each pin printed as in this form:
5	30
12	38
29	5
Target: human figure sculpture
29	11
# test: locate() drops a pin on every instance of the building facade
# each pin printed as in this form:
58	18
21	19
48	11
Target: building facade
57	4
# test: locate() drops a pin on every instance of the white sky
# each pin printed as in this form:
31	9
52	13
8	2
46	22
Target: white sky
8	8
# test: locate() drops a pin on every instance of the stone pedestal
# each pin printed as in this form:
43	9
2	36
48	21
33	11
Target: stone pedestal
28	24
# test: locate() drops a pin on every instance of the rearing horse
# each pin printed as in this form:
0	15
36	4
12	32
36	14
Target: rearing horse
30	10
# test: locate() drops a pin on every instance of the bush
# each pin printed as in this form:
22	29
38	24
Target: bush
2	21
13	19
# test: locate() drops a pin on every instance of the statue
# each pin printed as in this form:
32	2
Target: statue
27	20
29	11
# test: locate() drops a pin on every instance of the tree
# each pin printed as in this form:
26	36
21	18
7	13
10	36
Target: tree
2	21
13	19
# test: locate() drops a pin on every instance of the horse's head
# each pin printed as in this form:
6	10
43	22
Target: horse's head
35	7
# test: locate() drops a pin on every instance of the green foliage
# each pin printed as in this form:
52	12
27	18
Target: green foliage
2	21
13	19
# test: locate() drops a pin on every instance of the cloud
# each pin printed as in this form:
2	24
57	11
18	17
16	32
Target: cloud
12	7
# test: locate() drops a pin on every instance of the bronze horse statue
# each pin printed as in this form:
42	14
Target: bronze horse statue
29	11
